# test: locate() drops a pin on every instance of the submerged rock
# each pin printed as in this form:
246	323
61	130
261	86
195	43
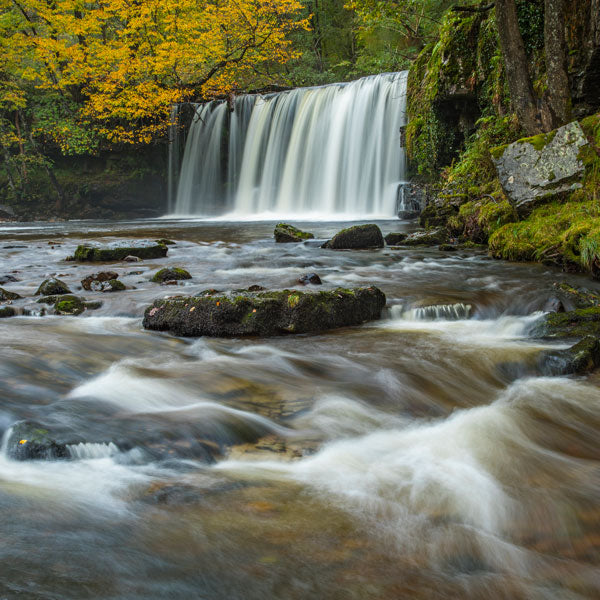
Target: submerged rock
170	274
8	279
7	311
542	167
312	278
52	287
285	233
393	239
92	282
31	441
430	237
358	237
264	313
5	295
141	250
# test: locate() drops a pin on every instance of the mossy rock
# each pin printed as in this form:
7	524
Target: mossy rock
5	295
579	359
32	441
69	305
264	313
285	233
170	274
574	297
358	237
431	237
7	311
393	239
142	250
165	242
437	214
52	287
572	324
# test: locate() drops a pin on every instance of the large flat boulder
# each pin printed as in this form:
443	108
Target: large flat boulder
540	168
358	237
264	313
114	252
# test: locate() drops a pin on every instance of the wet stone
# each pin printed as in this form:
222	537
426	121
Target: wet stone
91	282
264	313
32	441
140	250
6	296
285	233
430	237
52	287
7	311
393	239
310	278
358	237
170	274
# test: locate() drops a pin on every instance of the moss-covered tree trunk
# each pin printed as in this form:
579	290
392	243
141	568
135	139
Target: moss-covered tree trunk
555	45
516	65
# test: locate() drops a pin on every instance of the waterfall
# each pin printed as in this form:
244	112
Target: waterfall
333	150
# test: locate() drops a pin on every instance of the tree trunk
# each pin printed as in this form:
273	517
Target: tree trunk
515	63
555	45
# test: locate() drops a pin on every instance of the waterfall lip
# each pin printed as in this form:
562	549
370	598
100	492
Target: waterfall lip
329	152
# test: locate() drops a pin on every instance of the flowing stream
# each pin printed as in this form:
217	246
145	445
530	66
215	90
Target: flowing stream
421	456
329	150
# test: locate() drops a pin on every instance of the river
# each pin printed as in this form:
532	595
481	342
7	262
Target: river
421	456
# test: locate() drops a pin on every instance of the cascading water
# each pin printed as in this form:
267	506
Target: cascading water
334	149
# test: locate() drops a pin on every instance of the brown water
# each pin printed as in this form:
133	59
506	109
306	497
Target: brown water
415	457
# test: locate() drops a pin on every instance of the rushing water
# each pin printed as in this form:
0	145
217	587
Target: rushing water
422	456
334	149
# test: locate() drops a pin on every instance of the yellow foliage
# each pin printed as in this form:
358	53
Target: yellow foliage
127	61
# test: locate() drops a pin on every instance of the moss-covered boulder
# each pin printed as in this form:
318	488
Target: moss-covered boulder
69	305
581	358
94	282
7	311
5	295
393	239
572	324
285	233
575	297
52	287
170	274
32	441
358	237
264	313
165	242
431	237
115	252
540	168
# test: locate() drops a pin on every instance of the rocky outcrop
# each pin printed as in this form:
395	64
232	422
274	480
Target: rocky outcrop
141	250
358	237
285	234
264	313
52	287
576	323
170	274
537	169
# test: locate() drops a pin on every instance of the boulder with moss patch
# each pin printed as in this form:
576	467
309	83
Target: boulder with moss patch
285	234
115	252
52	287
170	274
94	282
264	313
358	237
572	324
69	305
395	238
540	168
31	441
581	358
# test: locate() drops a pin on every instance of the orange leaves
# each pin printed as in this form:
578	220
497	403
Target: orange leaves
125	62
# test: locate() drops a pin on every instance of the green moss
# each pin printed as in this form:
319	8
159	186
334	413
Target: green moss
69	306
285	233
170	274
106	254
540	141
